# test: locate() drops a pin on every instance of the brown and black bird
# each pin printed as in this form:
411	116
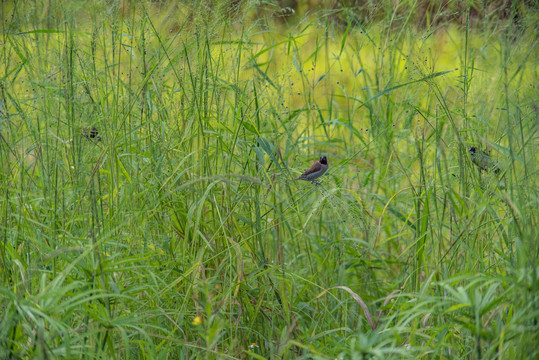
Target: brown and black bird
91	133
483	160
315	171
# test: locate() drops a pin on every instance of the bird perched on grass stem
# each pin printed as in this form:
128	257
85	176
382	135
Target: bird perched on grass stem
91	133
483	160
315	171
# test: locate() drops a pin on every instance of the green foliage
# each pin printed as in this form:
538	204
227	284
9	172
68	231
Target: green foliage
175	232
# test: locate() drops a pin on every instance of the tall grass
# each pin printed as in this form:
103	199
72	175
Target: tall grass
180	234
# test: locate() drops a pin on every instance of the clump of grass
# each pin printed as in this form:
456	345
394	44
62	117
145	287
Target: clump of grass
179	233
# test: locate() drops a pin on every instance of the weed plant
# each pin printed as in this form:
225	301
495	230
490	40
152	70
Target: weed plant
176	233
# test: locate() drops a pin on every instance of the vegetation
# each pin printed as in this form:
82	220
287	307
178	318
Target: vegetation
146	207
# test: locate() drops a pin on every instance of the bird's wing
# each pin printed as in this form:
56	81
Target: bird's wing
315	168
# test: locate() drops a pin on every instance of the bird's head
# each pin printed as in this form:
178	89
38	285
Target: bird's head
323	160
472	150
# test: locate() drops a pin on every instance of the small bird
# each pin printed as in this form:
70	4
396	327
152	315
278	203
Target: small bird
91	133
314	172
483	160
